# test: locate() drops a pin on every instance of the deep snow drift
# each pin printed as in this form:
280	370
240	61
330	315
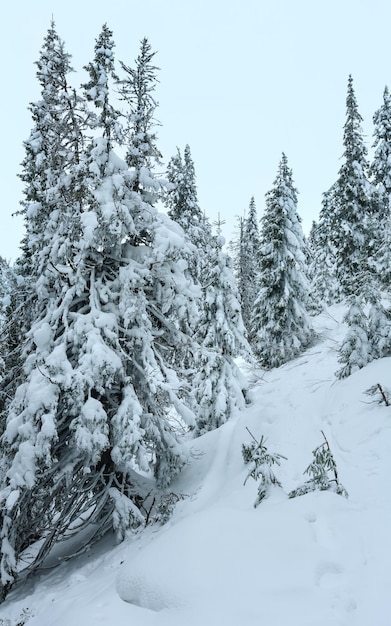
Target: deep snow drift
316	560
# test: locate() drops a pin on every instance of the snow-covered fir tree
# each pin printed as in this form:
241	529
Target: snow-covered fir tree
281	325
137	90
354	352
322	265
219	386
380	167
245	251
7	283
182	206
352	206
248	277
379	326
380	170
90	422
6	286
54	146
97	90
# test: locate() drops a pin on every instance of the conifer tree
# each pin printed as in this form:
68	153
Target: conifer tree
219	386
354	352
182	203
322	266
379	327
261	462
352	205
281	325
97	90
245	251
322	472
237	252
55	145
380	170
137	90
89	430
250	267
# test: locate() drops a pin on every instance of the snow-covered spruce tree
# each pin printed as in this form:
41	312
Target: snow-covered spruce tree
354	352
248	279
352	206
379	327
183	208
236	251
281	326
380	170
10	338
322	266
315	304
53	147
55	144
89	427
380	167
219	386
97	90
7	279
245	251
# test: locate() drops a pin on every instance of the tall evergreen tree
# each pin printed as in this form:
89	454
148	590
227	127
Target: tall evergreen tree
249	252
379	327
89	428
237	252
219	386
281	325
137	90
322	266
55	145
352	200
182	204
381	164
381	174
97	90
354	352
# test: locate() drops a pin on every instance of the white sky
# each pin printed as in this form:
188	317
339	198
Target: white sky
240	82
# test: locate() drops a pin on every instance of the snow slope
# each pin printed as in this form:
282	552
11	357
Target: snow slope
317	560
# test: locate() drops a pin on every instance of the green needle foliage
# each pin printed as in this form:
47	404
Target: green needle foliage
323	473
260	463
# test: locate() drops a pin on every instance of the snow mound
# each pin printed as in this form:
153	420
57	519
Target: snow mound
143	589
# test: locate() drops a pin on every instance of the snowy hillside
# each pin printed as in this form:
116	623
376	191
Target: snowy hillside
315	560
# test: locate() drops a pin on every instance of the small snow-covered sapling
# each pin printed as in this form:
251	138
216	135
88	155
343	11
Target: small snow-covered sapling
260	466
323	473
381	394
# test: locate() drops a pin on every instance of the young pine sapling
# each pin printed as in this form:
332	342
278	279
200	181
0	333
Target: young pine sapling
323	473
260	466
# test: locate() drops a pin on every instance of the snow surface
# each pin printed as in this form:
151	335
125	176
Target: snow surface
316	560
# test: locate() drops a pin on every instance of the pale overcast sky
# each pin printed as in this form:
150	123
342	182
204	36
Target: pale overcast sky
240	82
